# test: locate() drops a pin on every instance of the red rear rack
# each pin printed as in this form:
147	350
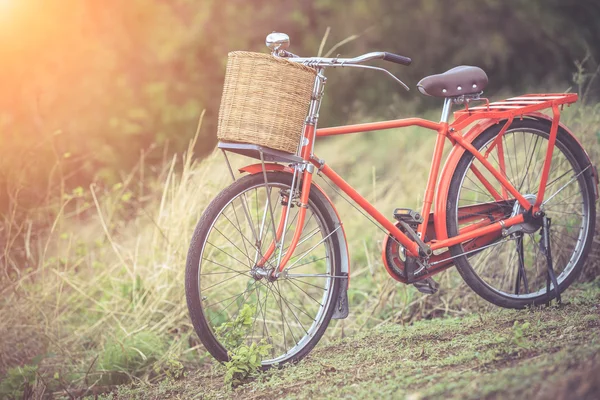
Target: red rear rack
511	108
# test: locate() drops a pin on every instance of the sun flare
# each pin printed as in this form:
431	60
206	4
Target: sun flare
5	4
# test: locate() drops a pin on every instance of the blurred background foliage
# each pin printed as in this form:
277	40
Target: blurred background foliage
91	87
99	191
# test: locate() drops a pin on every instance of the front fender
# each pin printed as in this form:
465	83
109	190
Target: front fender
333	213
256	168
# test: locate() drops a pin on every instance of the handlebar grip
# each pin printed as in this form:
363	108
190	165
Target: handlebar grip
395	58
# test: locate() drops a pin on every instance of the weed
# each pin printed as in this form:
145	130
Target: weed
519	332
232	333
130	355
174	369
244	360
119	267
18	382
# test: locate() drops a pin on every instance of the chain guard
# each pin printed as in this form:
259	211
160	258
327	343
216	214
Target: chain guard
396	258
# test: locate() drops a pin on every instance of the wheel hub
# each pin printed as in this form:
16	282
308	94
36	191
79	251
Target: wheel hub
526	227
259	272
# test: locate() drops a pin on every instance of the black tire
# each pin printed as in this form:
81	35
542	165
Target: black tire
196	293
572	241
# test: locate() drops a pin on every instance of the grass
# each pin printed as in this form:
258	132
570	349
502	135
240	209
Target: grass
541	353
98	298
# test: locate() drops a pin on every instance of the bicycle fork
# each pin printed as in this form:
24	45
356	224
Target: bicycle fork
280	233
305	149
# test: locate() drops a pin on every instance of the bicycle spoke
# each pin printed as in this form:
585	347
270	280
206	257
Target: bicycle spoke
512	173
229	305
259	307
564	203
264	310
283	322
462	199
230	269
287	316
567	198
565	185
224	300
476	191
244	238
528	165
234	245
308	236
223	251
220	283
293	314
225	272
310	284
557	179
303	291
291	223
507	275
312	248
521	271
311	262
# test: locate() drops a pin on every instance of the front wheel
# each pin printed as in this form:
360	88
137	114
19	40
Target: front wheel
232	302
512	271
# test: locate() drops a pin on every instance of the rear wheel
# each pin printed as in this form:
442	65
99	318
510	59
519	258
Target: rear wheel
232	302
512	271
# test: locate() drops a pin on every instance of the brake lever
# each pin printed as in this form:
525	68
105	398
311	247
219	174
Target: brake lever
377	69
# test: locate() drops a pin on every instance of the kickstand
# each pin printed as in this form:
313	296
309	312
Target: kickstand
545	249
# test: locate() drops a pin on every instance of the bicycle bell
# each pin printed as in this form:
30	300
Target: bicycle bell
277	41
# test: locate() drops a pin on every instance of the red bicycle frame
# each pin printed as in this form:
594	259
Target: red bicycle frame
506	110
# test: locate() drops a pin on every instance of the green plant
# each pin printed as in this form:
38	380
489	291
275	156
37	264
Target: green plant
18	382
232	333
244	362
174	369
130	356
519	334
85	288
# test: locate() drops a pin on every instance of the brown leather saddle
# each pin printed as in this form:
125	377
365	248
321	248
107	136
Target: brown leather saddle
457	81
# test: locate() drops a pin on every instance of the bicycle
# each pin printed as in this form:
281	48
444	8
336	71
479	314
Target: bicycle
513	210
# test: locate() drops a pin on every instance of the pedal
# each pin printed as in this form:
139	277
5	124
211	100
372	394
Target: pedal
407	215
408	221
427	286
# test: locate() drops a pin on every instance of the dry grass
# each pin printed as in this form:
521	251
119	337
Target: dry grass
109	271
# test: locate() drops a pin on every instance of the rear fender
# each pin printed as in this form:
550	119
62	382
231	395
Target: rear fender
457	152
447	172
341	234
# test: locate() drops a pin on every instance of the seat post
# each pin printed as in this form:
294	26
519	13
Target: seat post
446	110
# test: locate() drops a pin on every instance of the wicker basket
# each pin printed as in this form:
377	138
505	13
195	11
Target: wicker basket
265	101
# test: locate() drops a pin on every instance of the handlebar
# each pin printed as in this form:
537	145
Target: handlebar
396	58
322	62
340	62
279	42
